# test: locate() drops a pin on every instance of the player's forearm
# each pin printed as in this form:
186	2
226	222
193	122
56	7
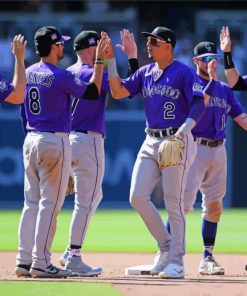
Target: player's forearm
118	91
232	76
98	74
196	112
19	83
187	126
197	109
242	120
231	72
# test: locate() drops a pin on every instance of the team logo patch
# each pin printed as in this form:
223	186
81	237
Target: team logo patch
78	80
197	87
3	87
54	36
208	47
91	41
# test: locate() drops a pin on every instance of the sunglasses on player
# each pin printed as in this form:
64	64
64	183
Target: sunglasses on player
154	41
209	58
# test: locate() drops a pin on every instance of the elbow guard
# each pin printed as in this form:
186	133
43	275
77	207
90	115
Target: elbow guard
91	92
133	66
240	85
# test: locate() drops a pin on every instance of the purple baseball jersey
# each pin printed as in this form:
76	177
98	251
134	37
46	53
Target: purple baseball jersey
5	88
222	103
47	101
167	94
89	114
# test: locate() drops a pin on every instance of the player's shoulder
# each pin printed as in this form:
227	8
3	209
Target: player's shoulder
146	69
32	68
182	68
84	71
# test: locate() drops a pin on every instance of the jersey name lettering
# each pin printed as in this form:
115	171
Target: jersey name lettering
42	79
163	90
220	102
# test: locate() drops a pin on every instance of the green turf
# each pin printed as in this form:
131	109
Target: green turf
55	288
124	231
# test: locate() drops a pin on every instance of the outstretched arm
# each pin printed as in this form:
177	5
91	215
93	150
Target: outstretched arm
208	90
234	79
19	79
118	91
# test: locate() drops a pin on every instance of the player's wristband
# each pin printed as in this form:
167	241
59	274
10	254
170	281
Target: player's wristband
187	126
133	65
98	62
228	60
209	88
112	68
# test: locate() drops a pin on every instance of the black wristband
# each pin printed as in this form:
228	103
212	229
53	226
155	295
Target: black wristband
228	60
133	66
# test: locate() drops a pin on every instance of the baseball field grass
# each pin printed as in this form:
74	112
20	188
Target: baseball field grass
55	288
124	231
115	231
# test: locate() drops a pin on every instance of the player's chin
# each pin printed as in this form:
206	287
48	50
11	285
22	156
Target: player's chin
61	56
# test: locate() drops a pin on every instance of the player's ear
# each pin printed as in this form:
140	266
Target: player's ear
90	51
195	60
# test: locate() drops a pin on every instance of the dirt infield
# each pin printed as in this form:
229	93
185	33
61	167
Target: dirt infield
233	283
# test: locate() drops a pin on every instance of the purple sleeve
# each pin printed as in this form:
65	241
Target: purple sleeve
236	108
197	109
192	86
6	89
105	83
73	84
133	83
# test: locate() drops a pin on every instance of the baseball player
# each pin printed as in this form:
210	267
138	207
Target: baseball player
87	143
236	82
173	101
14	92
46	149
208	171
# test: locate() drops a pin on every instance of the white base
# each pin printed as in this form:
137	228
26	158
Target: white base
138	270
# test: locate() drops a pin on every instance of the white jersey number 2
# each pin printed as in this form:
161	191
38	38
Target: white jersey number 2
34	97
169	110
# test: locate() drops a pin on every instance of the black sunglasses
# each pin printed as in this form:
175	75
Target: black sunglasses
153	41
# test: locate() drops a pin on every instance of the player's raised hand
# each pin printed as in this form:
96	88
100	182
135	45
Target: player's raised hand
101	47
212	65
225	40
18	46
128	45
109	52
